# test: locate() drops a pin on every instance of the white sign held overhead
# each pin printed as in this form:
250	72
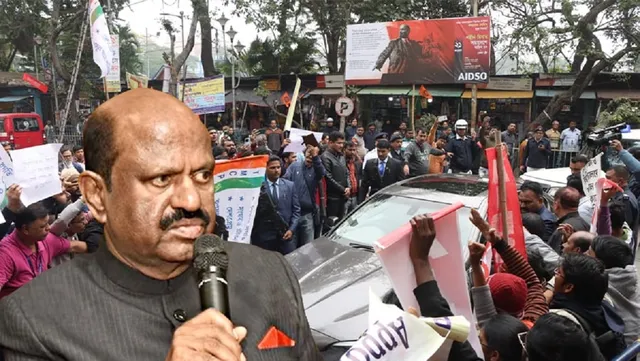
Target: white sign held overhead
297	143
36	170
344	106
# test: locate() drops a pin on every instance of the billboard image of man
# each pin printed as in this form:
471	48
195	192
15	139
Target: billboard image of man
403	53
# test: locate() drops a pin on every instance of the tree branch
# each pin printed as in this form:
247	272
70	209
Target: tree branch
184	54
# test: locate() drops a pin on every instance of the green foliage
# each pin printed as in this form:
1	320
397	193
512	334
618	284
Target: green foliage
376	11
618	111
21	23
262	90
129	48
426	121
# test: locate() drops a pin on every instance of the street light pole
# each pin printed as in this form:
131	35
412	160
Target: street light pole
232	34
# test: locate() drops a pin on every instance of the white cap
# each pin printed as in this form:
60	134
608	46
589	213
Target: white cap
329	119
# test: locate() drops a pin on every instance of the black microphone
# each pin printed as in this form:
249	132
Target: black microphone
211	262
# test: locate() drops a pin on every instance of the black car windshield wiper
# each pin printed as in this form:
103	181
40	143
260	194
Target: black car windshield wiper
358	245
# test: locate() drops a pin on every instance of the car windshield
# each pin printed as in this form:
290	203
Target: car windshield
384	213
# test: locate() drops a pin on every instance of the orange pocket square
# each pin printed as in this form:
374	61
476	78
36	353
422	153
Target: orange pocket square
275	339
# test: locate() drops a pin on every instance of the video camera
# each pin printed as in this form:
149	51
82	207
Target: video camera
603	137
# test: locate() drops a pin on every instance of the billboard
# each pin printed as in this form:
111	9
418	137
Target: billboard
204	96
441	51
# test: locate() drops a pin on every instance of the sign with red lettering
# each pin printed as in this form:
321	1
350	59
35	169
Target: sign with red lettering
35	83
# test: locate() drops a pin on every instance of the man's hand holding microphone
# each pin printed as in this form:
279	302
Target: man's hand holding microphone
208	336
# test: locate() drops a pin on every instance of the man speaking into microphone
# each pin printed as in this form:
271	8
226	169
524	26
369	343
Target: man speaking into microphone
149	180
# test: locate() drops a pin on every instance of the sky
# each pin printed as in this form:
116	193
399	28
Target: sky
145	15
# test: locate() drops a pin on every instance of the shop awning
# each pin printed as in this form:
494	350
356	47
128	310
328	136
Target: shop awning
499	94
249	96
13	98
615	94
440	92
384	91
550	93
325	91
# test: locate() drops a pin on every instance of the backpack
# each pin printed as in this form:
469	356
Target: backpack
610	343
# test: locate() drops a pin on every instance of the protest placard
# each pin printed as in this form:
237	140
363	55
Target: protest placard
36	170
590	174
297	145
394	335
7	178
447	262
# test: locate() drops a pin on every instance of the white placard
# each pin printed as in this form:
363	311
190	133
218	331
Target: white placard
36	170
295	136
394	335
590	174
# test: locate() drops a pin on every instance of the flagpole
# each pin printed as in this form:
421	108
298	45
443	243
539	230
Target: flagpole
413	109
106	89
502	188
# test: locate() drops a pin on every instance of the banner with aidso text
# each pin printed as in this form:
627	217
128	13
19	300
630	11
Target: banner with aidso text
237	189
436	51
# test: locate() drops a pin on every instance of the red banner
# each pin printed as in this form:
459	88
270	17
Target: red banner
434	51
514	217
35	83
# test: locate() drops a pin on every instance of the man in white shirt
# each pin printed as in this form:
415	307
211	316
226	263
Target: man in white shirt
570	140
373	153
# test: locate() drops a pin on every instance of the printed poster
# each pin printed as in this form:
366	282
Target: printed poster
237	189
438	51
204	96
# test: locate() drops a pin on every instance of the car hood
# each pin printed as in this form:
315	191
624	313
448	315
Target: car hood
335	282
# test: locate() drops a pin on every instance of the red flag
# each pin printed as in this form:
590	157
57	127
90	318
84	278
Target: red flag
285	99
515	234
424	92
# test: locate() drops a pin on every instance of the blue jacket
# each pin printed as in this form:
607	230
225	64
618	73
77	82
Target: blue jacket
305	179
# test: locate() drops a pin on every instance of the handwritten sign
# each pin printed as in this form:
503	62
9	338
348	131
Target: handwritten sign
590	174
36	170
394	335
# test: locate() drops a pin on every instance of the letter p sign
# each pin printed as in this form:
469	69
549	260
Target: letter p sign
344	106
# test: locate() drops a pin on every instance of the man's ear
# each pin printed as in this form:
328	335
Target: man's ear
568	287
94	193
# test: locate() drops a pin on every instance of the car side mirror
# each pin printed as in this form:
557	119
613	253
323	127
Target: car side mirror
331	221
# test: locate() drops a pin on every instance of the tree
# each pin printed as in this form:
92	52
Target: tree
20	26
174	62
206	51
574	31
129	49
289	47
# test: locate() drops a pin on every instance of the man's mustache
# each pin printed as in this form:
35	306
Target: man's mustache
179	214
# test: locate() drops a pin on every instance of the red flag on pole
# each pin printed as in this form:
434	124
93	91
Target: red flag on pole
285	99
424	92
515	234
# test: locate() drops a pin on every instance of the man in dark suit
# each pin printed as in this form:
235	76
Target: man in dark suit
382	171
279	199
337	176
137	297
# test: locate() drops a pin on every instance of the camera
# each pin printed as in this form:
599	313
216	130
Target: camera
603	137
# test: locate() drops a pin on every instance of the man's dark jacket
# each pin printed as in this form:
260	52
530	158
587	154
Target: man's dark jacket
535	157
95	307
393	173
336	174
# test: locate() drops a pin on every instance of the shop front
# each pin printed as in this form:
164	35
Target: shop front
394	103
503	106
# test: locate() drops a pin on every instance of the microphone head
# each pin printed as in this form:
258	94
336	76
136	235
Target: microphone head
208	250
